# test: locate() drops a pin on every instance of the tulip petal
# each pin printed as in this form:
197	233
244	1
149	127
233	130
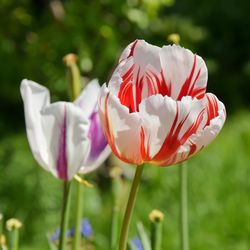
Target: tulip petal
87	100
122	129
99	150
217	114
65	131
168	124
137	75
128	51
35	98
183	72
203	137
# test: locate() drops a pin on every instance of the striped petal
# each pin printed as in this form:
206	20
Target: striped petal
35	98
167	124
122	129
215	118
216	114
183	72
136	76
65	131
99	148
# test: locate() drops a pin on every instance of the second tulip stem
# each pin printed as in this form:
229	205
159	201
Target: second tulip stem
78	216
65	215
184	207
130	207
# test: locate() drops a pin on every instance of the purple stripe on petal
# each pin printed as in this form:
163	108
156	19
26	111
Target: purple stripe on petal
97	138
62	161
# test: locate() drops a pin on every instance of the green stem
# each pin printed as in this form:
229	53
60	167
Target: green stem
156	235
65	215
74	75
184	207
116	191
78	215
1	224
130	207
15	239
114	227
75	81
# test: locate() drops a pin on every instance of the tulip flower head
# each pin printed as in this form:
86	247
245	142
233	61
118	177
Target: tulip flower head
155	108
61	134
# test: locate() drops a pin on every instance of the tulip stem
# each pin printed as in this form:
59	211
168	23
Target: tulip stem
184	207
15	238
64	215
78	216
130	207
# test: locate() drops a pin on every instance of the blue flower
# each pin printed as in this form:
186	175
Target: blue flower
86	228
71	232
137	243
55	235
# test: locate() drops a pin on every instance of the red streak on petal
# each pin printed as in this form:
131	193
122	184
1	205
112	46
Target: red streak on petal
132	49
212	108
193	128
144	149
188	88
163	87
172	141
130	93
192	148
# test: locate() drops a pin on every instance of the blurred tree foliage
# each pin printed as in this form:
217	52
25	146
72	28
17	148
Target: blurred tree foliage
36	34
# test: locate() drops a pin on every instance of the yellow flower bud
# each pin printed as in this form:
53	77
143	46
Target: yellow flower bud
13	224
174	38
156	215
2	240
70	58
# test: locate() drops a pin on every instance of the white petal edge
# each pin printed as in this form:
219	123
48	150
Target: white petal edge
35	98
102	157
88	98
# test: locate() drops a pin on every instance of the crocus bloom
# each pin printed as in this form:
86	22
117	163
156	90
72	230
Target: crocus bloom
63	135
155	108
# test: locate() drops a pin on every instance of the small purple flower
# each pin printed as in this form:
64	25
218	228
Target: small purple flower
55	235
86	228
137	243
71	232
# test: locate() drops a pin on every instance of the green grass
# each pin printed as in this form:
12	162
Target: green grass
219	188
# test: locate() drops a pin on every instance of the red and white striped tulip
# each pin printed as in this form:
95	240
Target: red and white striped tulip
155	108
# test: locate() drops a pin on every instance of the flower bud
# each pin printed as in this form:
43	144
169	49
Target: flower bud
13	223
156	216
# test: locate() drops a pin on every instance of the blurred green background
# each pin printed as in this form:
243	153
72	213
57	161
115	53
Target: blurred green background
35	35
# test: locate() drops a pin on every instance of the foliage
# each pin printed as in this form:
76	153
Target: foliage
34	38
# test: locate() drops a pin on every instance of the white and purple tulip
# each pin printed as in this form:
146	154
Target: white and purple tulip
63	135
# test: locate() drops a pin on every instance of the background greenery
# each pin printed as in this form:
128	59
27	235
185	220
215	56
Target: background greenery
34	37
